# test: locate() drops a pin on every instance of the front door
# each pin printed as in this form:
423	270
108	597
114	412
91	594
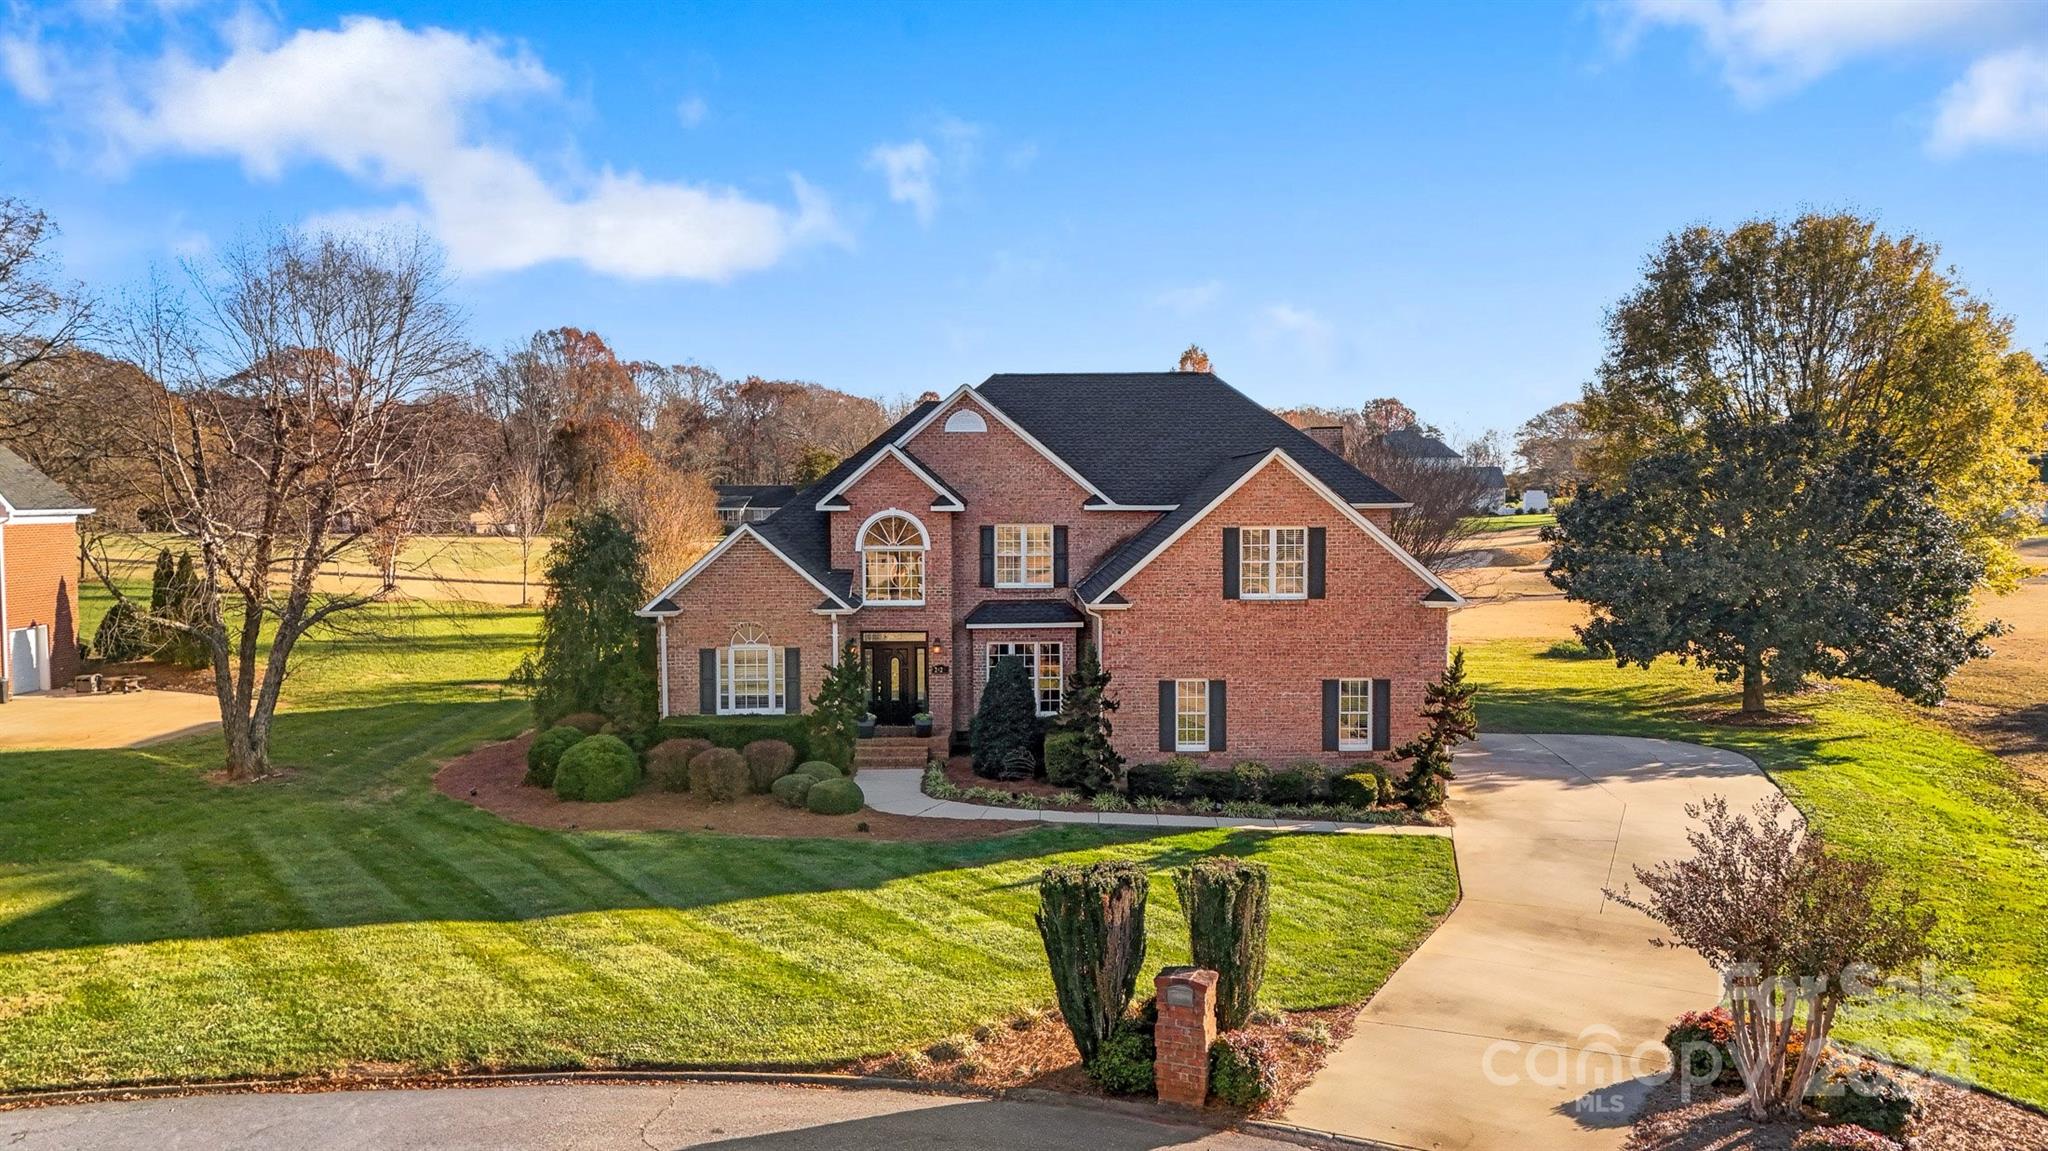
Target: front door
895	681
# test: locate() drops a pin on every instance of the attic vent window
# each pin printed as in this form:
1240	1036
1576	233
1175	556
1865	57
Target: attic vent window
966	422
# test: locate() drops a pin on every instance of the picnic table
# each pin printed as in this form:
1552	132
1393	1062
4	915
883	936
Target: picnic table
86	684
129	682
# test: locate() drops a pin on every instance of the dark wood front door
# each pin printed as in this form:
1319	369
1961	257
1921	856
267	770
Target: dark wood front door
896	677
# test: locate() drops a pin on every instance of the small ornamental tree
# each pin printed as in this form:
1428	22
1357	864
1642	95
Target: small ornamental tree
1795	928
837	709
590	639
1085	713
160	582
1006	724
182	604
1225	901
1447	706
1092	921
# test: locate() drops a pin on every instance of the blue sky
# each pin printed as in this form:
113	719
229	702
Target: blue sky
1338	202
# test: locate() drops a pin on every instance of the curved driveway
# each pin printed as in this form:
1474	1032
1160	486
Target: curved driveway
1502	1030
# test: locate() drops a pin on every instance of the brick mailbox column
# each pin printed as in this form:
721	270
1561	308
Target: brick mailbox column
1186	998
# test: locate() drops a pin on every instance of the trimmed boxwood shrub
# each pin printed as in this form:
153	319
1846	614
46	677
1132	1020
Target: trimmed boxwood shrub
545	753
1248	780
720	775
767	761
737	731
1213	786
1123	1065
1861	1092
834	797
1066	759
1300	783
1168	780
1243	1069
587	722
819	769
599	769
668	763
1359	789
793	789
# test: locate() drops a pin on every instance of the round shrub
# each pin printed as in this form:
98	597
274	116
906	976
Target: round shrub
668	762
1172	779
1248	780
720	775
834	797
1243	1069
1698	1044
818	769
1300	783
587	722
1861	1092
1123	1064
599	769
1066	759
545	752
792	789
767	761
1359	789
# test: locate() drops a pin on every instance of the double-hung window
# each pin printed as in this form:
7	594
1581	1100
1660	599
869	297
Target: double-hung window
749	674
1023	555
1354	715
1273	563
892	551
1191	715
1044	668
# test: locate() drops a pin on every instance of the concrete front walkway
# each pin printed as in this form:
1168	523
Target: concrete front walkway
1524	1021
900	791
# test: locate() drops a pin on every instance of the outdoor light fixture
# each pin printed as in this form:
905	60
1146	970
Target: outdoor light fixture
938	647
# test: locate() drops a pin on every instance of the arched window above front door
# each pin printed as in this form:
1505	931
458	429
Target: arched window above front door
892	546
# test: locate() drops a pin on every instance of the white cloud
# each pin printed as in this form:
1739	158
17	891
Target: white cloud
911	170
2002	99
692	111
21	61
1188	299
1308	331
399	109
1769	47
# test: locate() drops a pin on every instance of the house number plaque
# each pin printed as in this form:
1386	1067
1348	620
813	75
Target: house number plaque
1180	995
941	669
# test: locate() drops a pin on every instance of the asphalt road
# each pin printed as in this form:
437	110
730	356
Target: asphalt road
579	1117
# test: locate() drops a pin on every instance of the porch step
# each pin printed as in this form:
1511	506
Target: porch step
892	751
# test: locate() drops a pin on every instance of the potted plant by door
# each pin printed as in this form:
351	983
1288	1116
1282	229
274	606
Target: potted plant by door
923	723
866	727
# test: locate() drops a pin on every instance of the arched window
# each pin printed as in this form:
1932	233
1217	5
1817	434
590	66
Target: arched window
966	421
750	674
892	547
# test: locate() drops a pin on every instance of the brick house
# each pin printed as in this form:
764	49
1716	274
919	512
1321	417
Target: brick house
1234	574
38	574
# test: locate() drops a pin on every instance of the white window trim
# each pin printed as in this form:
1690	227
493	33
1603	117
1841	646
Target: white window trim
988	669
1207	730
1354	744
728	679
1024	555
1272	563
924	569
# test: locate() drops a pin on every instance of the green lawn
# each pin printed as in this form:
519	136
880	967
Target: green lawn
1880	778
154	925
1509	523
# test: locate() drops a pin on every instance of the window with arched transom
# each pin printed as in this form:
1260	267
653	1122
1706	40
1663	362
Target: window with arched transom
892	547
749	674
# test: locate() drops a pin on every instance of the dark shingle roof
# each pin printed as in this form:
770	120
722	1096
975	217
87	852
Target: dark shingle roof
1196	500
1418	445
1492	477
28	490
1015	612
1148	437
732	497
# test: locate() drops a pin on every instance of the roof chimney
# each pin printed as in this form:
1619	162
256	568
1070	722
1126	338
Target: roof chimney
1194	359
1330	436
928	398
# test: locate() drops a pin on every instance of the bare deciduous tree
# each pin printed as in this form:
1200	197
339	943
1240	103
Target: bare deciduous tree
41	320
296	419
523	393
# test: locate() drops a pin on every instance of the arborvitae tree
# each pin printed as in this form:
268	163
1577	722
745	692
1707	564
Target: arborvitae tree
1006	724
160	581
1092	920
1085	712
1225	900
1447	706
837	709
182	602
588	629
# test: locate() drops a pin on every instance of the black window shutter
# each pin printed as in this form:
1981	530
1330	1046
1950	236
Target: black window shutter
1166	716
1329	715
988	555
792	680
707	681
1059	555
1382	713
1219	715
1231	555
1318	543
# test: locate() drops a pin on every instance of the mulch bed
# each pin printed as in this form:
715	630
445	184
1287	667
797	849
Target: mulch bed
1035	1050
1956	1119
960	773
490	777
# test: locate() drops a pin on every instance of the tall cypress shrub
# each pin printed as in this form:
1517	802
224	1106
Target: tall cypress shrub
590	639
1225	903
1006	724
837	709
1092	920
1085	712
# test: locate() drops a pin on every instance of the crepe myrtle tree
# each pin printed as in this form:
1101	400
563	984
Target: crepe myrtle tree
1770	552
1796	928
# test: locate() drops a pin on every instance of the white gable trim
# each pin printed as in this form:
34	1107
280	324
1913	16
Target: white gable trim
744	530
945	503
1315	485
989	407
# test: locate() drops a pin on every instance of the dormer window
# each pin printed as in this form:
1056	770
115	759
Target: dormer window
892	547
966	421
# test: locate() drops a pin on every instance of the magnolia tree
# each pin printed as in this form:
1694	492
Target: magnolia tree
1796	929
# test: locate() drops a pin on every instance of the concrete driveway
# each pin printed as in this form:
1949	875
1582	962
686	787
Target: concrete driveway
592	1117
59	720
1527	1018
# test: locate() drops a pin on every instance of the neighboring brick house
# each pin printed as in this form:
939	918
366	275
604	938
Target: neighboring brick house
38	579
1234	574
